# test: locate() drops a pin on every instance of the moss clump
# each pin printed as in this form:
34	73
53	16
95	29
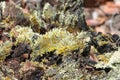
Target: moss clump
58	40
22	34
5	49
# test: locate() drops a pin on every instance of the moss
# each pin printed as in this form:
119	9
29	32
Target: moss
5	49
57	39
48	12
59	50
22	34
110	60
36	22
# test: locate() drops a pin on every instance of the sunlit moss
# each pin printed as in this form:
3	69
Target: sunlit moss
22	34
58	40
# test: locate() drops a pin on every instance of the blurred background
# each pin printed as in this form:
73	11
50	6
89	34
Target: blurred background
103	15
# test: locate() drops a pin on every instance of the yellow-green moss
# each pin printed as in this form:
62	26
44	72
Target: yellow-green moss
22	34
5	49
57	39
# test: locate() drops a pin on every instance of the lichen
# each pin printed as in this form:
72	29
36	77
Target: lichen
48	11
9	73
22	34
35	21
66	71
64	14
5	49
57	39
112	59
60	49
115	58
